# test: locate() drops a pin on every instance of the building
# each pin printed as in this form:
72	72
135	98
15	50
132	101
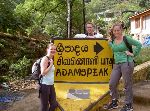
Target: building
140	25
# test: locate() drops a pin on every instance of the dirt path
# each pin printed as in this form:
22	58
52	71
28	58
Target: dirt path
31	101
28	103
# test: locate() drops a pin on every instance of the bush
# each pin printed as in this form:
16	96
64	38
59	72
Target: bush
3	79
143	56
4	65
20	68
1	46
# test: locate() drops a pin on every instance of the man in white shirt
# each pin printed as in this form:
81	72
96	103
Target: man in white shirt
89	32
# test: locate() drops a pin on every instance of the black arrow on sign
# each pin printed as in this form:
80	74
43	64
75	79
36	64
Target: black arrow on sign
98	48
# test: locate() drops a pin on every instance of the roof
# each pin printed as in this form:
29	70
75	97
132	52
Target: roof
146	12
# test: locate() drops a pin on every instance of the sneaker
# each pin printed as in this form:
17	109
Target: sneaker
113	105
127	107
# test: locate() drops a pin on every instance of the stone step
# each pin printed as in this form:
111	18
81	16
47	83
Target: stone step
136	107
141	92
141	97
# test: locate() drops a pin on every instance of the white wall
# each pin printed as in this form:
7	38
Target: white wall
138	32
132	26
133	29
146	27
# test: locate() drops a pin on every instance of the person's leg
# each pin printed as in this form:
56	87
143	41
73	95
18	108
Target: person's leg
127	72
114	80
44	97
52	98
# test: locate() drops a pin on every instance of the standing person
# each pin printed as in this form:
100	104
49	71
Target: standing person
90	31
123	66
48	95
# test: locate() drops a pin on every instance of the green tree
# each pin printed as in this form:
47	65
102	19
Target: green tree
46	16
26	17
9	23
122	9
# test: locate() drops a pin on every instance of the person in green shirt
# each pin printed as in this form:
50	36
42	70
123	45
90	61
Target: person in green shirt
123	66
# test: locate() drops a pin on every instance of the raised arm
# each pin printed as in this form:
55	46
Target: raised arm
44	65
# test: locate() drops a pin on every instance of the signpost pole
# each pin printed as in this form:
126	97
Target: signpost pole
84	15
68	18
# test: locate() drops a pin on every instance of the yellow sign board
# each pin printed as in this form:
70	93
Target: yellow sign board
83	60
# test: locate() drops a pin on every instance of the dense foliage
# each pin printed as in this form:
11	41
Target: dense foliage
143	56
17	55
118	10
29	17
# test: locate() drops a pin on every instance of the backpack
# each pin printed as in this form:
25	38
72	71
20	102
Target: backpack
36	69
127	44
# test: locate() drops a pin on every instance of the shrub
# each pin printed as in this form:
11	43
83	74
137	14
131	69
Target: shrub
143	56
1	46
20	68
4	65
